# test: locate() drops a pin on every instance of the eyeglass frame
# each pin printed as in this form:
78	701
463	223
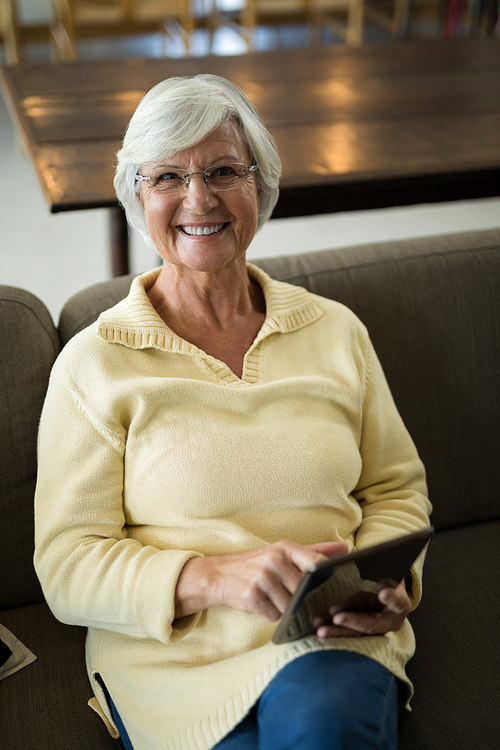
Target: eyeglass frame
253	168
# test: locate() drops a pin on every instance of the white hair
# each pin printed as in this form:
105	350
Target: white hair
177	114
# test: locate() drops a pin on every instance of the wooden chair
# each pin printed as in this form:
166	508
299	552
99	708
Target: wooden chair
394	17
74	19
345	17
272	12
330	12
248	14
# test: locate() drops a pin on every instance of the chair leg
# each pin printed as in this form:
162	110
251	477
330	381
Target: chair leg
401	20
355	18
249	22
11	38
187	25
62	31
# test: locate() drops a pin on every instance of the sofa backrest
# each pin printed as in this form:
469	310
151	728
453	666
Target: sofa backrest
432	308
28	347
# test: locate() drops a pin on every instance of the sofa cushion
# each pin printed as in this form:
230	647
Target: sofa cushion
456	669
28	344
47	700
84	307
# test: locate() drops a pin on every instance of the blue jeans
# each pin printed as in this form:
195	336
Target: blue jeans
333	700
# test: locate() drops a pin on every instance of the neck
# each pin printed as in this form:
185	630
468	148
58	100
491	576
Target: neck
187	300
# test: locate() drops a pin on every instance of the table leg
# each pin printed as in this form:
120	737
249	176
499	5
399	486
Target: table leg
119	241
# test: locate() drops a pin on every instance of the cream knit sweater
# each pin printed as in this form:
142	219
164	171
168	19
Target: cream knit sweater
152	452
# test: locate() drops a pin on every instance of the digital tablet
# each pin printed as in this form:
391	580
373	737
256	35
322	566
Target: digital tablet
349	582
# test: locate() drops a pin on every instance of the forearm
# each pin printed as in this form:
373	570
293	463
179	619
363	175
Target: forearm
192	592
117	585
260	581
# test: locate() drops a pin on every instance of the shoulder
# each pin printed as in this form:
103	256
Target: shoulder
284	298
335	310
82	347
338	322
84	364
123	324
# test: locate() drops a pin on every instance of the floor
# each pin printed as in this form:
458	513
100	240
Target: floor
54	256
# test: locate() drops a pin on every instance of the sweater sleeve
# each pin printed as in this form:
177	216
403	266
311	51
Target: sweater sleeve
91	572
392	489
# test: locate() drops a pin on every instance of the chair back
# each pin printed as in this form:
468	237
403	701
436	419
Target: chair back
75	19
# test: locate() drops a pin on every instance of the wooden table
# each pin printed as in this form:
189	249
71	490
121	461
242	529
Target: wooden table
380	125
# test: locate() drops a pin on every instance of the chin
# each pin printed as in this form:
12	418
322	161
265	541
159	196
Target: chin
210	258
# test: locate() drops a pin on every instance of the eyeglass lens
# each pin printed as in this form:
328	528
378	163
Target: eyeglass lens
218	177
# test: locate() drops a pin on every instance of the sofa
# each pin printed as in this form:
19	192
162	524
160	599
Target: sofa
432	306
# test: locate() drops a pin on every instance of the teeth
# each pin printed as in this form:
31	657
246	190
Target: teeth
199	231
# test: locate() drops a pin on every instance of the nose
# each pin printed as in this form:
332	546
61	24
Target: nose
197	196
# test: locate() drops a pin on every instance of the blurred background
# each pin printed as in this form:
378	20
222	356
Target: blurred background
55	255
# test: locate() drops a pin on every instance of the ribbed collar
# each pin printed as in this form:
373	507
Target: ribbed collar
134	322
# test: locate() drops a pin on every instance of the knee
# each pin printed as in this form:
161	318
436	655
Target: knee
338	726
329	703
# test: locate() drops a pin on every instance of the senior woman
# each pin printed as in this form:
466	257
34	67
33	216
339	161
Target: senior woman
206	441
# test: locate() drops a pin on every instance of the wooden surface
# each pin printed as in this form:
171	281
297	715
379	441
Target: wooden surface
374	126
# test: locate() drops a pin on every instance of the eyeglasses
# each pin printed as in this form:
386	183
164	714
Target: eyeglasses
175	181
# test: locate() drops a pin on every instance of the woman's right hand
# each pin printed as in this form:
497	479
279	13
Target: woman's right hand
261	581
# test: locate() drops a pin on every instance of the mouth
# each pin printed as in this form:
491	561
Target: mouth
197	231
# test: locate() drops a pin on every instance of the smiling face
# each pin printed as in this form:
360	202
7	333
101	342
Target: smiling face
200	229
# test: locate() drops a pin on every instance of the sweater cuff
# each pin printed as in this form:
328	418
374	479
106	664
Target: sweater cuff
416	586
155	597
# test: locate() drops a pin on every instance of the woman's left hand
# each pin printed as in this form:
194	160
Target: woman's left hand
397	606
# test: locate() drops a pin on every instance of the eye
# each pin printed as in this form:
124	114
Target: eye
222	172
169	177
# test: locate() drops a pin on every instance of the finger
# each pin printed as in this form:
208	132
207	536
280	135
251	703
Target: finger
395	600
370	624
280	594
268	604
265	608
334	631
275	586
319	621
313	554
330	549
305	558
291	577
359	622
280	571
